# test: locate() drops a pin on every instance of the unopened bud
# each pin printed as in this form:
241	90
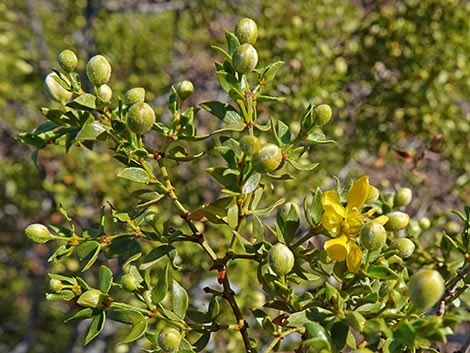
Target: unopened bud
68	60
373	236
402	197
92	298
397	220
98	70
135	95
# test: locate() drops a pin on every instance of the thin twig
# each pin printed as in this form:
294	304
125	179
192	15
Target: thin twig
451	288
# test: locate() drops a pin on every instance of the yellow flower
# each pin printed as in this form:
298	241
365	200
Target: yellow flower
344	223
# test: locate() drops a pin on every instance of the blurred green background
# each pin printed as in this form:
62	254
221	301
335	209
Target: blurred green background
396	73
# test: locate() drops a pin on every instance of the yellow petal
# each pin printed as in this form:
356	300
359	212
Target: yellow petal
337	249
329	197
381	219
354	257
358	193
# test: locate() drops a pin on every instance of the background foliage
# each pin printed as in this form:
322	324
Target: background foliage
396	74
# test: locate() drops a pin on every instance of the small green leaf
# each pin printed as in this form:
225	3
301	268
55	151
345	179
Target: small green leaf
90	131
80	315
405	333
154	256
137	330
161	288
227	81
340	332
302	167
251	183
32	139
86	101
138	175
221	51
314	210
224	111
214	307
105	278
126	316
318	139
232	216
232	42
202	342
381	272
229	181
179	299
198	316
271	71
97	325
88	252
65	295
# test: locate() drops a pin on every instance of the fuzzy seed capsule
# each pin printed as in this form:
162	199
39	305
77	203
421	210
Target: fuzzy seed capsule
267	159
280	259
169	339
426	287
134	95
402	197
249	145
129	282
184	89
104	93
38	233
98	70
404	246
397	220
140	118
245	58
68	60
246	31
322	114
373	236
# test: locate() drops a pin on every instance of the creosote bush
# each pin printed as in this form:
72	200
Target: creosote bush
342	272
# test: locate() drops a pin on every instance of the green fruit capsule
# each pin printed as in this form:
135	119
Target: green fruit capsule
169	339
135	95
246	31
38	233
424	223
402	197
54	90
140	118
245	58
104	93
397	220
98	70
280	259
129	282
184	89
267	159
249	145
404	246
426	287
68	60
92	298
373	236
322	114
